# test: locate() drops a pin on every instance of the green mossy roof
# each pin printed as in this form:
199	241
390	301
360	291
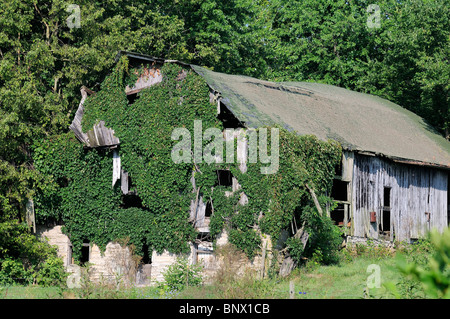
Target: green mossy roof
358	121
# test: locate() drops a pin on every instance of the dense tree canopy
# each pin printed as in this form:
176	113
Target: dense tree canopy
398	50
49	49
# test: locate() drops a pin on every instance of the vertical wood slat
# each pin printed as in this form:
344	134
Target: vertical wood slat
124	182
116	167
414	191
30	215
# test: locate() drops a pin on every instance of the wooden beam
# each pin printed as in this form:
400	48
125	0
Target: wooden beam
316	201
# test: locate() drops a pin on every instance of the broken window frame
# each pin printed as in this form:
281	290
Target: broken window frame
341	214
221	180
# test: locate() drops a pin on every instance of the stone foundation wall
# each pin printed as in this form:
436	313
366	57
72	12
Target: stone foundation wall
116	264
355	240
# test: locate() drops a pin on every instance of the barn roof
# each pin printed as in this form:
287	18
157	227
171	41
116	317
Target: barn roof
359	121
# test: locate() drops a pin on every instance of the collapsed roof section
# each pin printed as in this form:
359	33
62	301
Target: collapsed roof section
100	135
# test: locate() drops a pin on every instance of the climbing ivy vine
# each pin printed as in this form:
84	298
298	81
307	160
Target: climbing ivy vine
80	194
277	202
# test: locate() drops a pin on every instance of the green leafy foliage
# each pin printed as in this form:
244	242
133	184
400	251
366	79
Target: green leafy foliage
24	258
434	276
51	272
277	200
181	274
13	271
43	63
85	201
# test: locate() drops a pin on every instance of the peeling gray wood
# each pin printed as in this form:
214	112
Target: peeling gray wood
99	135
116	167
414	191
147	78
198	212
287	266
124	182
29	215
75	126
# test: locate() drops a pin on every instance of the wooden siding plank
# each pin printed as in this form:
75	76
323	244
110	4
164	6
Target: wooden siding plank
414	190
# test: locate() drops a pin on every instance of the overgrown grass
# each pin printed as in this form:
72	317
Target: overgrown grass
347	279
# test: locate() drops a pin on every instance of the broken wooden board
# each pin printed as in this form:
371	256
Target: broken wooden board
75	126
146	78
99	135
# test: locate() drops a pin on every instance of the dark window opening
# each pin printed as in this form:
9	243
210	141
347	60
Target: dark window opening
146	258
224	178
338	215
387	197
131	200
85	250
208	210
228	119
339	190
132	98
203	237
386	226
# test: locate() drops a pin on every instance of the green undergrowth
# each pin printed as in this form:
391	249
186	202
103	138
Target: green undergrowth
350	278
346	280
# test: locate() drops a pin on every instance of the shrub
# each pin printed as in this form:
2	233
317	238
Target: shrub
295	247
181	274
51	272
13	272
435	276
325	238
425	268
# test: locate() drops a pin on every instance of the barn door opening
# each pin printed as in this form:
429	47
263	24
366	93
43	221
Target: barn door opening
146	258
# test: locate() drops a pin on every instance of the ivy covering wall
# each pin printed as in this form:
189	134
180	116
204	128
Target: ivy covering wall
80	195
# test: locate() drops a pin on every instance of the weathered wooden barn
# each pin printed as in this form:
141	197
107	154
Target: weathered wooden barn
393	183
